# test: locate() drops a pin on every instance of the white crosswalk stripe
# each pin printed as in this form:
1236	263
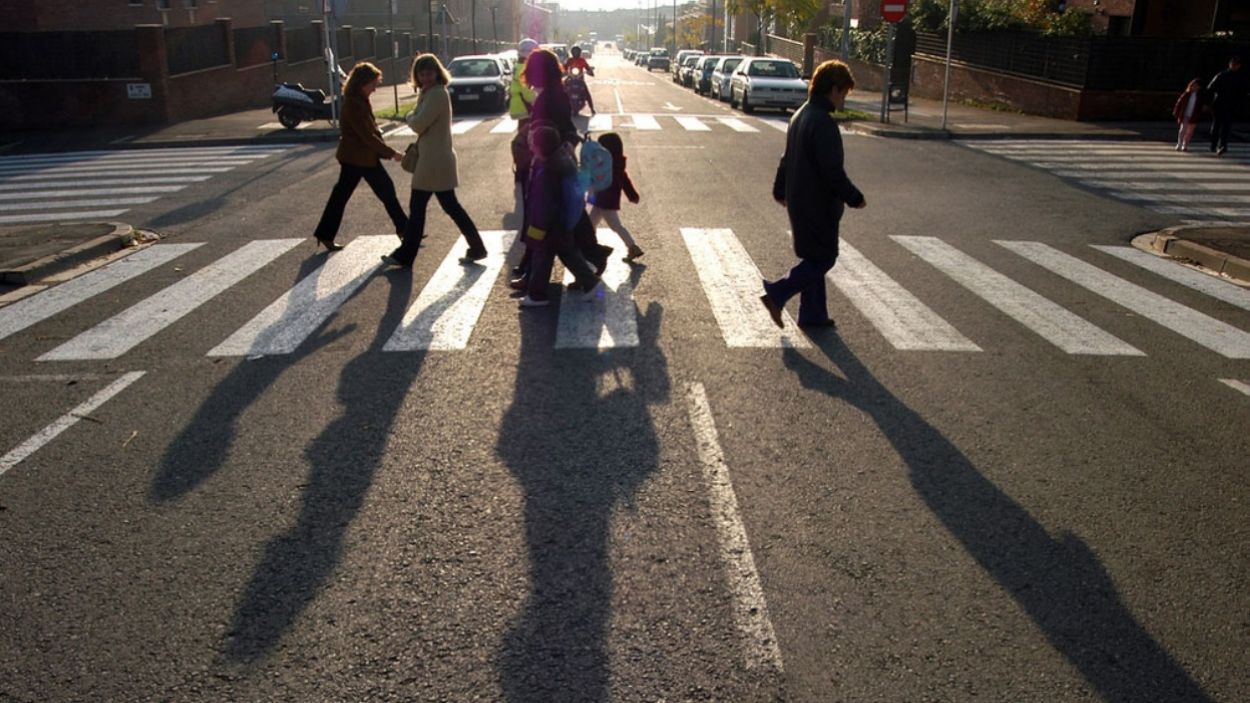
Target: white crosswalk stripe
450	304
605	321
1192	184
1053	323
443	316
1239	386
736	124
692	124
121	333
733	285
1198	327
606	122
57	185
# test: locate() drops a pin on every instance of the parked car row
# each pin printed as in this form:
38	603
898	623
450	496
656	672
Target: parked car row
746	82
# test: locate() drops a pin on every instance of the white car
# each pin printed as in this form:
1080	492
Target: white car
481	81
721	73
764	81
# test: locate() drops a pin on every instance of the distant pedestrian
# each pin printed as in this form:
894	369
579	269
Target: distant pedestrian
436	173
1188	111
555	204
606	204
360	152
813	186
1226	91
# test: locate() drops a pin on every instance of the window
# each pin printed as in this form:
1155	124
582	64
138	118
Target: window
773	69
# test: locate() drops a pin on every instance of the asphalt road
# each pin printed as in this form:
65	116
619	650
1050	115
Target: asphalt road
1003	510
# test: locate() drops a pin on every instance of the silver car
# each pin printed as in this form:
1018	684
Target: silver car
480	81
721	74
762	81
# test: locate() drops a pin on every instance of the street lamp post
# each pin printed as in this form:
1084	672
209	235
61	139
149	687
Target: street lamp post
950	39
473	21
494	28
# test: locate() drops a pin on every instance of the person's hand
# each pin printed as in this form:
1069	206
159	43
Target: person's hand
635	199
397	157
861	205
781	201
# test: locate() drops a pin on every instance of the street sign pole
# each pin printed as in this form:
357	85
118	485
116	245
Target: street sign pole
885	77
330	59
394	52
950	38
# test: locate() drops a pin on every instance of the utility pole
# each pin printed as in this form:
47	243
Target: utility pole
394	50
950	39
673	51
494	28
429	37
712	40
473	20
846	30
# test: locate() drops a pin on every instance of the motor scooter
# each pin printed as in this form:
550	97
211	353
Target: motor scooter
575	87
293	103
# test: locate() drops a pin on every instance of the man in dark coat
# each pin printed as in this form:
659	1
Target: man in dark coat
813	186
1226	90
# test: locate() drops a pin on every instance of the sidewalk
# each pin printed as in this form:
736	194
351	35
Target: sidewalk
29	253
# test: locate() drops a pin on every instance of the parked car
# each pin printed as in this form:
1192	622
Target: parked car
509	59
702	73
640	58
679	61
657	58
767	82
479	81
628	54
560	50
588	49
721	74
685	74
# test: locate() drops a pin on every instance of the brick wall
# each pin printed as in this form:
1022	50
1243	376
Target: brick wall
79	15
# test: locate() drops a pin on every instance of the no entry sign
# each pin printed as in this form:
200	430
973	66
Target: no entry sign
893	10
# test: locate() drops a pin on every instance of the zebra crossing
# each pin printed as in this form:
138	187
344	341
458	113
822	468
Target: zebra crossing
604	122
446	311
1194	185
103	184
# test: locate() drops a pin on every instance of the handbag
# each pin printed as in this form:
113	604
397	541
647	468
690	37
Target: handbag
409	162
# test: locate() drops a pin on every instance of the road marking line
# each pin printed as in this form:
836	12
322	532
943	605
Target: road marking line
1169	269
1203	329
444	314
404	131
900	317
736	124
733	286
88	182
620	107
506	125
126	330
600	122
139	190
66	421
692	124
55	204
74	169
142	154
52	377
607	322
646	123
462	126
1236	385
1144	175
111	174
750	606
778	125
289	320
90	166
55	162
59	216
1053	323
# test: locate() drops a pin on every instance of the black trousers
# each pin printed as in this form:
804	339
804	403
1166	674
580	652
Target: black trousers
407	252
349	178
1221	128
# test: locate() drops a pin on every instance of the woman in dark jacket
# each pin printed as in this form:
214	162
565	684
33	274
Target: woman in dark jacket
360	152
814	188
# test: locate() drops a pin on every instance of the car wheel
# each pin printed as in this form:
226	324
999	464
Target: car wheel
746	105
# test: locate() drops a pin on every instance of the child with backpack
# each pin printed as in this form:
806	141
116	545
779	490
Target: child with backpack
1188	112
606	204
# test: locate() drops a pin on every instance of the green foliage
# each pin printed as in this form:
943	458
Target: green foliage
989	15
866	45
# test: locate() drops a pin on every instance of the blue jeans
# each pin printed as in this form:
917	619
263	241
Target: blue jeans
807	280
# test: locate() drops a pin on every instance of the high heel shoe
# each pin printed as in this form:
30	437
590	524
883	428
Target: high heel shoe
328	243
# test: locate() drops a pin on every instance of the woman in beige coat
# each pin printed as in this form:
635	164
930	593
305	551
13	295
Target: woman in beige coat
435	174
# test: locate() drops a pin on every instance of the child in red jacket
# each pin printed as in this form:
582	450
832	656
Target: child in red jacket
1188	111
606	204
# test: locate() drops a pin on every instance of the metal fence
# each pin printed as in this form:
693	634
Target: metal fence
68	55
1094	63
362	44
254	45
196	48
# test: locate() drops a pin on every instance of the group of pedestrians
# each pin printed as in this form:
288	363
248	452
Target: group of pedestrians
362	150
1222	95
810	181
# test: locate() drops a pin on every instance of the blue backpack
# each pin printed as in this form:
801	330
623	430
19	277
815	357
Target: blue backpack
594	170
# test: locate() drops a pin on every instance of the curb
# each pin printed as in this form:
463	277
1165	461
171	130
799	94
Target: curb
1171	242
294	139
69	258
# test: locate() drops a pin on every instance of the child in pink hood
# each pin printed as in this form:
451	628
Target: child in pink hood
606	204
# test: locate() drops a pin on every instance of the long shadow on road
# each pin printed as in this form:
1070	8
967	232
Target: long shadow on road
580	441
1058	581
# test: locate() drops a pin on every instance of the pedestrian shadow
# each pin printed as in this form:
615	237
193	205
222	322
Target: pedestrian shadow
1058	581
200	449
343	460
580	443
